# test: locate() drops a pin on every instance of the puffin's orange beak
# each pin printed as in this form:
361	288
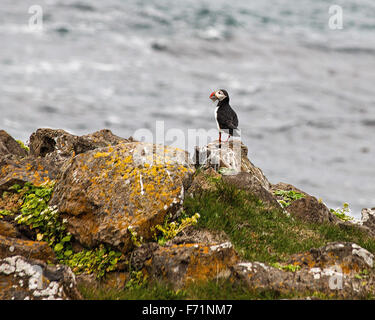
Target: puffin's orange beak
212	96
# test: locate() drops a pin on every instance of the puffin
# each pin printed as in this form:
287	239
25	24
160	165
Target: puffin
226	118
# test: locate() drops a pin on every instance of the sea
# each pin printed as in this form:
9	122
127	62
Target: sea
300	75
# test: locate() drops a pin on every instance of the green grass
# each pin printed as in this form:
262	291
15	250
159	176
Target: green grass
210	290
260	234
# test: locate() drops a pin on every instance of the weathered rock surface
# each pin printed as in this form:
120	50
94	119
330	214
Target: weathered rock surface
232	158
8	229
9	146
20	170
32	249
367	220
333	270
28	279
105	191
249	183
181	264
57	146
307	208
310	209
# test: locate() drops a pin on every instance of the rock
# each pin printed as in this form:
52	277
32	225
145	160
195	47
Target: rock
8	230
57	146
333	270
19	171
193	235
230	158
105	191
349	256
9	146
368	220
10	201
28	279
182	264
32	249
311	210
308	208
249	183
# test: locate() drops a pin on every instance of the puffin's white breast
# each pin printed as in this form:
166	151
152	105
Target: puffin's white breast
217	123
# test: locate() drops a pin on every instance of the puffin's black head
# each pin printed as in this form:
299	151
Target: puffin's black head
220	95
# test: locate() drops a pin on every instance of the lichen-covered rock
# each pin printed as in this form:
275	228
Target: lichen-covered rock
10	146
57	145
181	264
105	191
27	279
348	256
8	229
367	221
229	158
337	270
32	249
18	171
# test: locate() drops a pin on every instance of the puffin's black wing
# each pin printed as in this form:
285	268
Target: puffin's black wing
227	118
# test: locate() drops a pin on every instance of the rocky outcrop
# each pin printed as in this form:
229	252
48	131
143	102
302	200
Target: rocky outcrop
308	208
367	220
249	183
336	270
33	249
229	158
111	192
28	279
9	146
57	146
104	192
14	170
191	262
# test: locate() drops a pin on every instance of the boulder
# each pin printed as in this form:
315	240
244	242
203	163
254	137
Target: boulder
249	183
33	249
311	210
348	256
57	145
336	270
8	229
182	264
308	208
368	220
9	146
28	279
108	191
19	171
16	170
229	158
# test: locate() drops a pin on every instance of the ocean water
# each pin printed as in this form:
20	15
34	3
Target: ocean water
304	93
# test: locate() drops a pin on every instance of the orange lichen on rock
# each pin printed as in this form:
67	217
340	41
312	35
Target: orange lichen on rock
131	184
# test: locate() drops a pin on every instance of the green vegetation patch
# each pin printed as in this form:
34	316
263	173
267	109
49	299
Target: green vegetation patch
215	289
261	234
44	220
23	146
342	213
288	197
